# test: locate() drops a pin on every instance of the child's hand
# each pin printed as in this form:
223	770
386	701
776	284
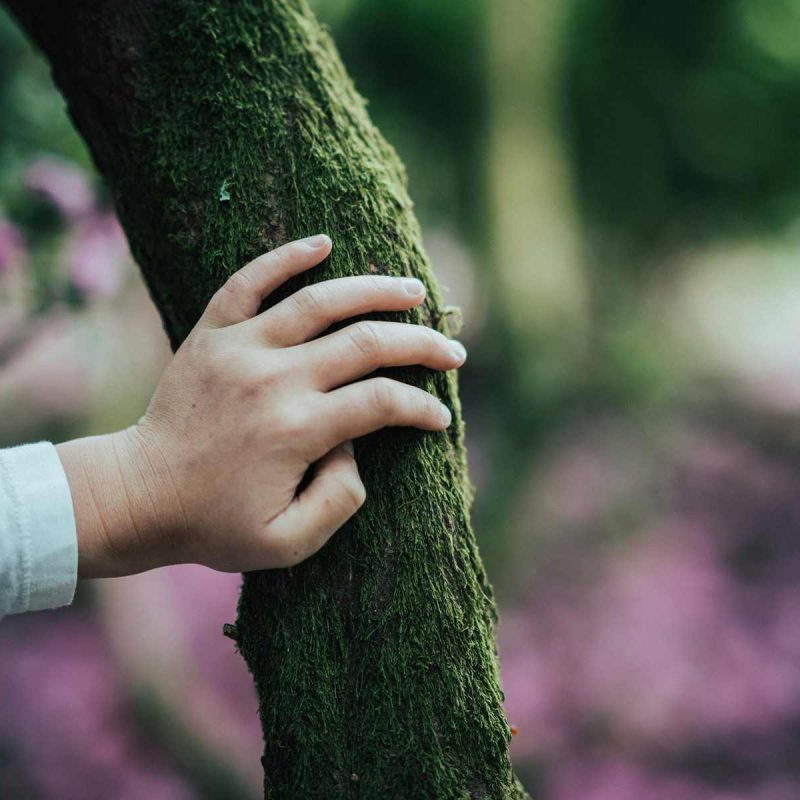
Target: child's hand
249	401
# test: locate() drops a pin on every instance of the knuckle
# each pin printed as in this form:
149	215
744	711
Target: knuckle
374	284
264	263
250	386
383	395
233	295
248	372
351	491
433	339
294	423
282	259
309	301
365	337
271	372
218	300
428	406
238	283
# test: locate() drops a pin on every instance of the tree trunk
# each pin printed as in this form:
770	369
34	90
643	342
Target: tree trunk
535	243
225	129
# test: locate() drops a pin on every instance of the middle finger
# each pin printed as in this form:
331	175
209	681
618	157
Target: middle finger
361	348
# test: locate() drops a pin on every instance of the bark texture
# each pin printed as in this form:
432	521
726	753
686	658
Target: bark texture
224	129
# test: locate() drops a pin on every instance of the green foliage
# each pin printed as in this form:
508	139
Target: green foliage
30	121
685	116
422	67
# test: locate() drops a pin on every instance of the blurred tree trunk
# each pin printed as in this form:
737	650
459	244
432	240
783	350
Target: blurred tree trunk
536	243
224	129
535	249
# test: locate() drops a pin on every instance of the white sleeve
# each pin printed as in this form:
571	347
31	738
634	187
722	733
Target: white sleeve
38	540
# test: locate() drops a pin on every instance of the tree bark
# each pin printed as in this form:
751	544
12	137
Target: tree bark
224	129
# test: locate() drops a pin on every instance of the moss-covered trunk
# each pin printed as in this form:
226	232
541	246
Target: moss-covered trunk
224	129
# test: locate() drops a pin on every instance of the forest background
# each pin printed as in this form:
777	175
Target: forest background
610	191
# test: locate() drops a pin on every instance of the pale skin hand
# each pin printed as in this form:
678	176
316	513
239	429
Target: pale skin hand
210	474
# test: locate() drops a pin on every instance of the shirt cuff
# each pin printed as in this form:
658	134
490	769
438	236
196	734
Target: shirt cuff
45	525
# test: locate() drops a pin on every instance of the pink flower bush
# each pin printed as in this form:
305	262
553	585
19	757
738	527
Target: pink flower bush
681	640
65	730
13	254
615	779
63	184
185	664
670	656
96	255
48	370
95	252
86	258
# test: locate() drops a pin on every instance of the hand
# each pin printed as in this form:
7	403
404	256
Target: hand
210	474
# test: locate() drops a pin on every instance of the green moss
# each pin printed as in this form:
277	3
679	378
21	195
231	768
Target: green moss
225	129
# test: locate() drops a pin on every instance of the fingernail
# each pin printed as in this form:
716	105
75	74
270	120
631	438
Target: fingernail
414	286
458	350
447	417
348	446
316	242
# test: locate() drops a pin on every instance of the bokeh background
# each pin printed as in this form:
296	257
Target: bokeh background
610	190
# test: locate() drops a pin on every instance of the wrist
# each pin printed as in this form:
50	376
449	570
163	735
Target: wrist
156	506
118	513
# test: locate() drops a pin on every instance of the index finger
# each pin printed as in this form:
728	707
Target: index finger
240	297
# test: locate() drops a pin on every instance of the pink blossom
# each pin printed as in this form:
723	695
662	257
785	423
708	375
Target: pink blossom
187	662
13	253
96	256
63	709
620	779
535	684
669	655
48	373
63	184
205	600
582	483
783	626
656	647
659	641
